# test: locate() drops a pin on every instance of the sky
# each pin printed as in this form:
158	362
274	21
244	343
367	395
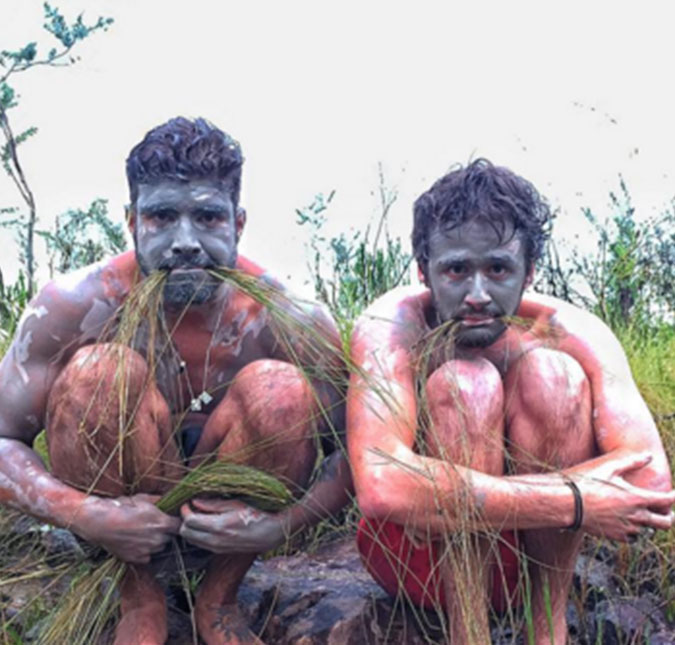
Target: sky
319	93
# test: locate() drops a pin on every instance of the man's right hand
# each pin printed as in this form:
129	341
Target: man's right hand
131	528
615	509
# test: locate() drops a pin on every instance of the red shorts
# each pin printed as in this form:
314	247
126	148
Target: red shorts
395	563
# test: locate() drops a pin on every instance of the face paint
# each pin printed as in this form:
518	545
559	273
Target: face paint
96	318
249	516
186	228
476	279
21	354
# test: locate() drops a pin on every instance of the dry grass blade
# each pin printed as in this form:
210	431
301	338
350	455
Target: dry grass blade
84	612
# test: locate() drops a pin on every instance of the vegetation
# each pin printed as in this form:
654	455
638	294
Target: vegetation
13	62
354	268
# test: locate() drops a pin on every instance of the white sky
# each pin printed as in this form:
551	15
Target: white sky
567	94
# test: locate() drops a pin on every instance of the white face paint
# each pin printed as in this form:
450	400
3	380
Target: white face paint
232	336
249	516
34	311
21	355
100	312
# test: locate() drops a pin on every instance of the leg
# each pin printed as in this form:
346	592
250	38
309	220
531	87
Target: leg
549	428
267	420
466	409
97	445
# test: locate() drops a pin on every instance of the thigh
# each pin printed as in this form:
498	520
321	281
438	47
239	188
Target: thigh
267	419
548	403
463	415
108	427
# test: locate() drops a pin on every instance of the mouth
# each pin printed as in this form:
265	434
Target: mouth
186	270
476	321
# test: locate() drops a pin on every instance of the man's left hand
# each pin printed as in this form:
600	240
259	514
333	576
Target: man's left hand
227	526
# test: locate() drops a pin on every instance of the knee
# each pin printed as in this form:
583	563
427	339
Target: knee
460	382
545	379
264	382
549	410
94	369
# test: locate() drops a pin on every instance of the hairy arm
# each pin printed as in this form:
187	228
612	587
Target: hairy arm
393	482
51	330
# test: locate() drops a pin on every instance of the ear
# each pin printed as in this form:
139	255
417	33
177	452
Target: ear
529	278
240	221
420	275
130	216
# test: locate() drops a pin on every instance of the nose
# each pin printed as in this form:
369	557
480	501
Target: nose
185	242
477	297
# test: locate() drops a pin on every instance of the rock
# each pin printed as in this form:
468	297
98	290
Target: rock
631	619
592	572
326	598
62	542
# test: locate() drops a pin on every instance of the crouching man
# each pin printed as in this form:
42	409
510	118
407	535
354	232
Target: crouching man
479	419
226	383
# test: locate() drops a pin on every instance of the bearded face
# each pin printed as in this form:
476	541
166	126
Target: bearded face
186	228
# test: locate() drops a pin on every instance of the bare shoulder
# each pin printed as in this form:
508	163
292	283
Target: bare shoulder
72	309
398	318
294	312
576	331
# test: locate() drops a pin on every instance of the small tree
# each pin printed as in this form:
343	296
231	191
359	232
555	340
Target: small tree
14	62
81	237
630	278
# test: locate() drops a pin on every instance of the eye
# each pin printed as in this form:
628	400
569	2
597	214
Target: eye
162	216
209	218
498	269
456	269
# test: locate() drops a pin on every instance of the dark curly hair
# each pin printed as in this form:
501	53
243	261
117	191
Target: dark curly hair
181	150
509	203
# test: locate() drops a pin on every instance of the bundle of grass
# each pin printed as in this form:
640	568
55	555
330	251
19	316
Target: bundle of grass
140	325
84	612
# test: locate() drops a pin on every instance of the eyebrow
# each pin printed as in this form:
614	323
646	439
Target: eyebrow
507	257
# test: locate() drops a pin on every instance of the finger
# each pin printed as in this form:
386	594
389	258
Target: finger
659	498
216	505
146	497
185	512
206	522
659	521
196	538
633	462
173	525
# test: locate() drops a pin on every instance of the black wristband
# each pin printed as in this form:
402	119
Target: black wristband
578	506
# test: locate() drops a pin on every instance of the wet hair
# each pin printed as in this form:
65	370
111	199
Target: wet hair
507	202
181	150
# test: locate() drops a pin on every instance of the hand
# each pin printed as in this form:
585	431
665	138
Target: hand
131	528
615	509
228	526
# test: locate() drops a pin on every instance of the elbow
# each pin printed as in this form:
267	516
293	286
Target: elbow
376	497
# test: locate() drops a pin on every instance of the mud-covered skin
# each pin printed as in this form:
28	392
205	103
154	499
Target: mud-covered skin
70	313
554	392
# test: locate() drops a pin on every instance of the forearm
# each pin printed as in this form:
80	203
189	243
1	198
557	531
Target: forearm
331	491
431	495
26	486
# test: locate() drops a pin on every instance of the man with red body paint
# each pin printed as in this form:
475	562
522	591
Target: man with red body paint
534	427
184	180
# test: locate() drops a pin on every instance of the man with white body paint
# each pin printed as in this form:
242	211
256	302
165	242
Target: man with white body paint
503	413
230	381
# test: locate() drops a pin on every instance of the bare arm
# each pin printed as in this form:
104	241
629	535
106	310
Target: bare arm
393	482
131	528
